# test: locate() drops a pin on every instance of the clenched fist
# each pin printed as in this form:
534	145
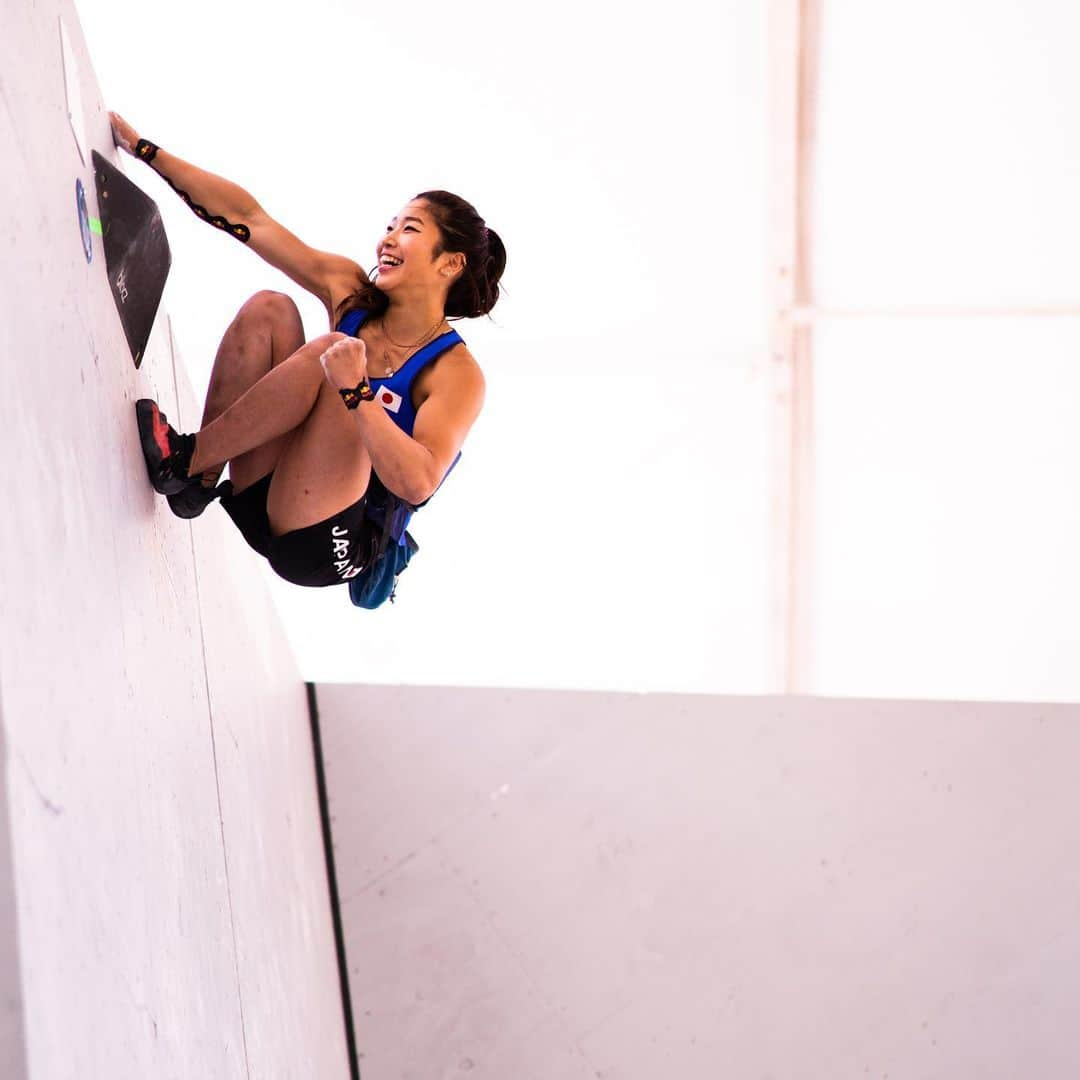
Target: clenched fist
345	362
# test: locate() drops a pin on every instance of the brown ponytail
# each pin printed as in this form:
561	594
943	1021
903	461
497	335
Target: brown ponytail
463	230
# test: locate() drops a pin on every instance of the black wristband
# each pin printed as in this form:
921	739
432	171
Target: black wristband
360	392
145	150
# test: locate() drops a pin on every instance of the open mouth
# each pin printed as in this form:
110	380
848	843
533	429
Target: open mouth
388	262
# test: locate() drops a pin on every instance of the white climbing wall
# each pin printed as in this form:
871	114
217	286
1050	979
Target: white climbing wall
166	872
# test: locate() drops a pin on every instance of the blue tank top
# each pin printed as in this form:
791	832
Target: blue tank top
395	393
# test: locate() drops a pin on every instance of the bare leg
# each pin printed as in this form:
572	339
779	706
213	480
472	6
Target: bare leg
265	331
279	402
264	413
324	469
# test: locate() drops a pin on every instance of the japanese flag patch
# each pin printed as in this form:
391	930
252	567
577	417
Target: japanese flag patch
390	401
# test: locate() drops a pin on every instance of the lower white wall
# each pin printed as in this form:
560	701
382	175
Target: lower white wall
565	886
12	1056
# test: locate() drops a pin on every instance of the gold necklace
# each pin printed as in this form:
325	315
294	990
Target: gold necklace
399	345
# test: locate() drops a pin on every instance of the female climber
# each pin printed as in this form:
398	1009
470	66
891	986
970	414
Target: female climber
313	432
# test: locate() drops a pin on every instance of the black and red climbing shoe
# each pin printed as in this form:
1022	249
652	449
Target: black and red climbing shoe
167	452
194	497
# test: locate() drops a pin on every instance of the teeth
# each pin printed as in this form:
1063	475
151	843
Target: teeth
389	260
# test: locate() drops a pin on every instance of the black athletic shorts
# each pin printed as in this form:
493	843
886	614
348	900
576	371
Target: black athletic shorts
328	553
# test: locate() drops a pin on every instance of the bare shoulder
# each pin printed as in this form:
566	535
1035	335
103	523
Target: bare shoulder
460	359
455	376
461	367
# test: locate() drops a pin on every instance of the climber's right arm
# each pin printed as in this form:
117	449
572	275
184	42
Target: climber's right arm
231	208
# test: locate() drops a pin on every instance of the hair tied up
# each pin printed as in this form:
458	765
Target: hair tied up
463	230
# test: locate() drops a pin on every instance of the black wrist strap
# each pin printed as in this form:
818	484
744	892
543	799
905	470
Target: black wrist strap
360	392
146	151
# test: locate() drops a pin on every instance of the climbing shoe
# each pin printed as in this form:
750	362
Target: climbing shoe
167	452
194	497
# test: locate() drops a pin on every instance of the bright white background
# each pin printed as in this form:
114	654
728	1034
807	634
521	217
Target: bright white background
608	526
948	166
